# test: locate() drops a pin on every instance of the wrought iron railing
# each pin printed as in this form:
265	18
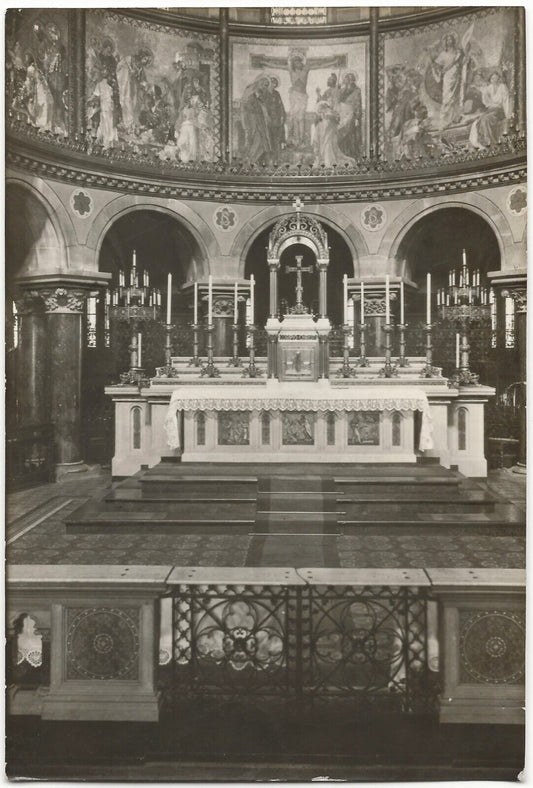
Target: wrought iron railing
364	645
30	456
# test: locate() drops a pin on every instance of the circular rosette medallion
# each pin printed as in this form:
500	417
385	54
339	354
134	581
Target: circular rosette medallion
492	647
103	643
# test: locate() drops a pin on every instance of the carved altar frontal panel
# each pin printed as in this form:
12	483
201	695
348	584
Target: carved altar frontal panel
492	647
102	643
233	428
363	428
297	428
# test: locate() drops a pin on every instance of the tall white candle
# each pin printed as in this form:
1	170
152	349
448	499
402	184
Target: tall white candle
457	339
362	303
387	297
139	347
235	306
252	299
428	299
134	258
402	304
169	298
210	300
345	299
464	257
195	303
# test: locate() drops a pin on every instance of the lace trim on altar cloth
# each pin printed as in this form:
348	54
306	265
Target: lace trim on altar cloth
181	401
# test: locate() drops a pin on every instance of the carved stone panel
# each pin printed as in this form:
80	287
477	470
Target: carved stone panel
102	643
492	647
363	428
234	428
297	429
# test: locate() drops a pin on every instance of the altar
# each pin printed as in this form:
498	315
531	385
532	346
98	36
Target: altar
291	422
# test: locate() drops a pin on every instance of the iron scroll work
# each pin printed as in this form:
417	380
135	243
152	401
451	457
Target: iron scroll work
367	646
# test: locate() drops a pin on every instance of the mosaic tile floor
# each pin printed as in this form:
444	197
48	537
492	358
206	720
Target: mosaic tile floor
36	534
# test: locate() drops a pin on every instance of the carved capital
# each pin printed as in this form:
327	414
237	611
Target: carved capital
273	263
223	306
519	296
63	300
29	302
375	304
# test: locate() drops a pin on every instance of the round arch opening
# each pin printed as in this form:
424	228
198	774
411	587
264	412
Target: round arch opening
340	262
435	243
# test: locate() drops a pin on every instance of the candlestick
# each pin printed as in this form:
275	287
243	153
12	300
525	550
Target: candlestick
169	298
362	303
428	299
345	299
209	370
235	305
402	304
139	346
210	300
252	371
252	298
195	303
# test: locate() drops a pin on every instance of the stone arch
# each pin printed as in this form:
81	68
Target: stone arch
49	227
191	221
473	202
326	215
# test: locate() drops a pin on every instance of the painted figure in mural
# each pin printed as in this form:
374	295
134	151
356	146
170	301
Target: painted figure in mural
446	76
331	93
155	119
36	95
55	69
276	119
350	108
298	66
325	137
415	141
401	100
488	128
104	103
132	85
15	70
179	84
255	121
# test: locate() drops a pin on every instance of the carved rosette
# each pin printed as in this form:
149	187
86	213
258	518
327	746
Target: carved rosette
64	300
519	296
102	643
492	647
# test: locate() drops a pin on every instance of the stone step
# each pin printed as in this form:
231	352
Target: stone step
296	516
183	510
402	509
143	497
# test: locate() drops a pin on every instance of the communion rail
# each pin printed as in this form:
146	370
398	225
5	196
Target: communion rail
127	642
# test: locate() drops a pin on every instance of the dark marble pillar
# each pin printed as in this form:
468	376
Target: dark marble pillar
64	307
32	362
223	310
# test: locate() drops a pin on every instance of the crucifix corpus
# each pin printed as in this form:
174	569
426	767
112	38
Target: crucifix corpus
299	269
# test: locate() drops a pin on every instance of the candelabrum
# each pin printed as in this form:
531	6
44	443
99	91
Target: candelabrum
168	371
429	371
235	361
403	361
362	360
134	315
208	369
346	371
252	371
389	370
462	315
195	360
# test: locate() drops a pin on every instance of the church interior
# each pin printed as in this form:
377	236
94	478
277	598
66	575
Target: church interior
266	316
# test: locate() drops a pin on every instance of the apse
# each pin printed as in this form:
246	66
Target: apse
340	263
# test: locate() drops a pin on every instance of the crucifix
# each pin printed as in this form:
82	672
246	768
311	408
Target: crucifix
299	269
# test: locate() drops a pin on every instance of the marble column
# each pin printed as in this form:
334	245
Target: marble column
322	288
32	362
223	310
519	295
273	267
64	307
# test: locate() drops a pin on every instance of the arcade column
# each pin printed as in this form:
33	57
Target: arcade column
64	308
519	296
32	365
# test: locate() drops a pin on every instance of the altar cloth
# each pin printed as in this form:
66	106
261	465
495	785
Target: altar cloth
297	397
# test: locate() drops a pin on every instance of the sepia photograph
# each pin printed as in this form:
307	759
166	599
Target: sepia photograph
265	405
